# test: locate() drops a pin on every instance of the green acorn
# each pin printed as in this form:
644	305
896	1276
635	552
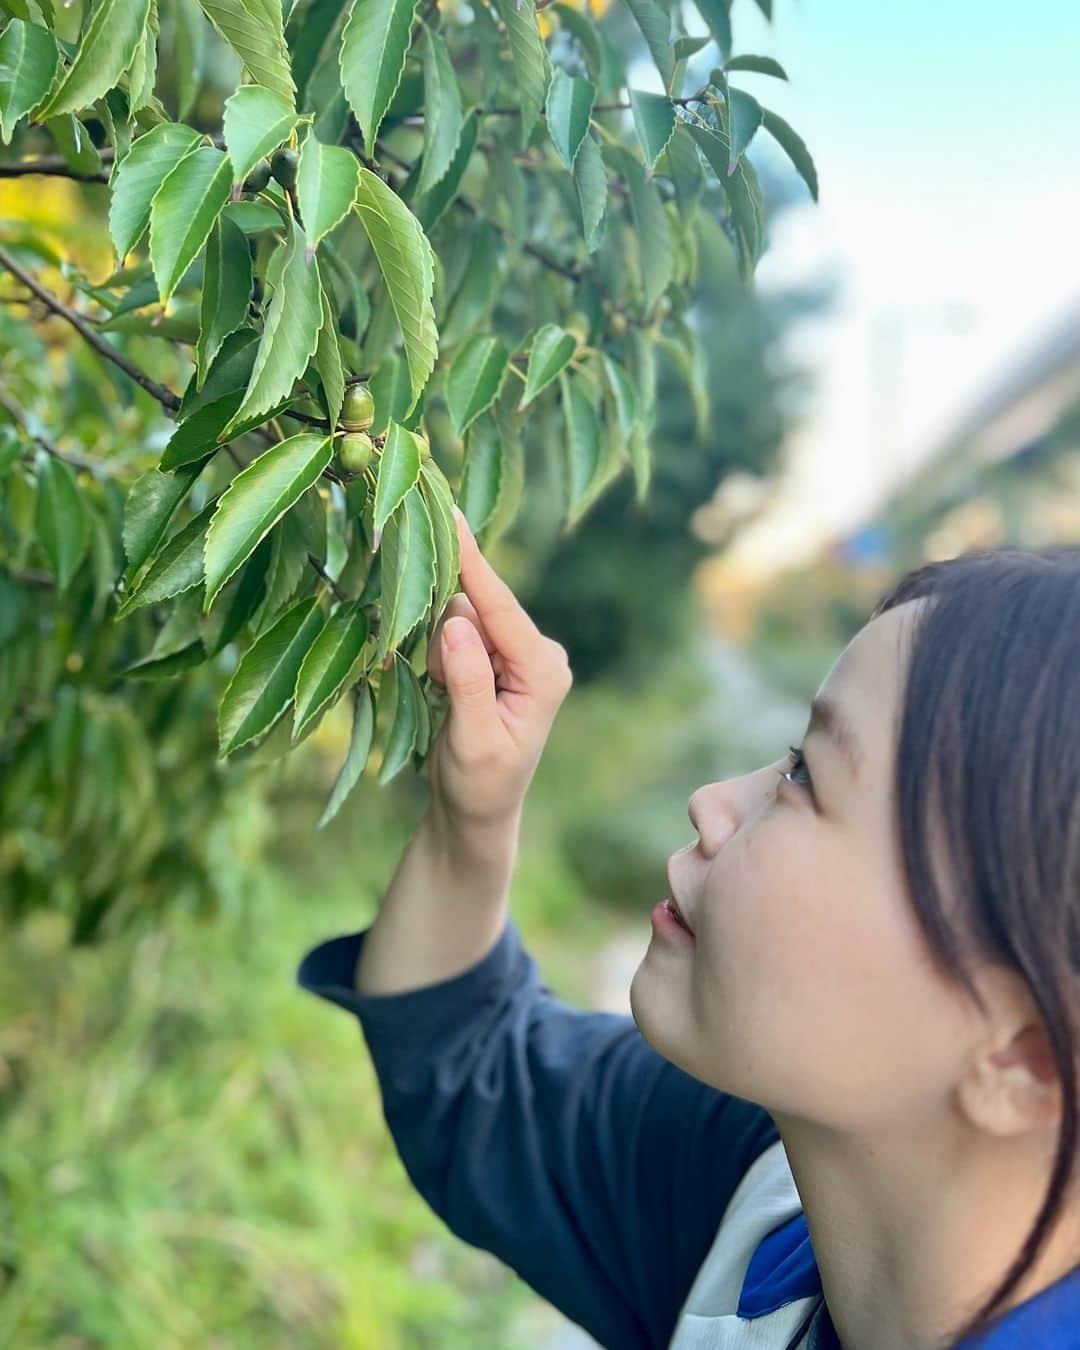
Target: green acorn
283	167
355	451
358	410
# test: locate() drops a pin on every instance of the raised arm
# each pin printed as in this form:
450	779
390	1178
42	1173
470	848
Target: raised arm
556	1139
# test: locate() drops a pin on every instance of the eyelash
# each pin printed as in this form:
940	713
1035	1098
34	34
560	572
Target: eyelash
798	760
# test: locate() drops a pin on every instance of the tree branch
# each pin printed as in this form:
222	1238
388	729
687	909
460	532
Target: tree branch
72	457
55	166
164	396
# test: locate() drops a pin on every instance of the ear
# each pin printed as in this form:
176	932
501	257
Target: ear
1012	1084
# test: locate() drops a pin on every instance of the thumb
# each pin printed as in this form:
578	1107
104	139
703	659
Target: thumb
470	680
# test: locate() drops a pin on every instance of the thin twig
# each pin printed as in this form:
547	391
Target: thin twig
72	457
164	396
317	565
514	110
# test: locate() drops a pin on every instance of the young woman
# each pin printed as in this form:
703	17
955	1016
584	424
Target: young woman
844	1111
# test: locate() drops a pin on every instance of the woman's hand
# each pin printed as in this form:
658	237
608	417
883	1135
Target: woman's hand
506	681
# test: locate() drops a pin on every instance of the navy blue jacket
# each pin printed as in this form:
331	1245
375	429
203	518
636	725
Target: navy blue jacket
560	1141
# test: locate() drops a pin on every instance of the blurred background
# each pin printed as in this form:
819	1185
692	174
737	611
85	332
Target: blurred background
192	1151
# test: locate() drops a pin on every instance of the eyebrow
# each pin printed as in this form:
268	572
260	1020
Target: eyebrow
827	716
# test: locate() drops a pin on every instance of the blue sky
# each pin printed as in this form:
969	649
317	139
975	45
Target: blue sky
947	141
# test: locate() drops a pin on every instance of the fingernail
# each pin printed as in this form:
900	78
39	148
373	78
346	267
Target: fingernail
459	632
461	516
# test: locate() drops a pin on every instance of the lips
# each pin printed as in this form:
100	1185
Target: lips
673	902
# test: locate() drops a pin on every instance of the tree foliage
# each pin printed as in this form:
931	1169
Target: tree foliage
470	211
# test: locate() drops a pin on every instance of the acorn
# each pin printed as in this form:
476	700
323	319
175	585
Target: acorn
283	166
355	451
258	178
358	409
578	324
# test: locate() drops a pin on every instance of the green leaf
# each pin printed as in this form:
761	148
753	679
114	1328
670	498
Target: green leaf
744	118
142	72
60	520
256	122
640	461
429	206
743	193
74	143
590	179
405	260
584	30
328	361
374	45
105	52
581	445
718	20
326	184
399	468
290	331
244	600
550	351
262	685
651	222
760	65
151	504
442	112
687	46
230	372
28	62
256	499
189	36
182	214
254	30
795	148
149	161
569	107
475	379
408	571
529	58
655	25
402	689
328	666
482	475
440	504
623	396
176	569
654	122
196	436
683	163
226	291
363	732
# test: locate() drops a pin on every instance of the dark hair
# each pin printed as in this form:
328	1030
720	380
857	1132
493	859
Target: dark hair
988	758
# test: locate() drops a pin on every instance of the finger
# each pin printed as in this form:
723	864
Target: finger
470	682
498	608
458	604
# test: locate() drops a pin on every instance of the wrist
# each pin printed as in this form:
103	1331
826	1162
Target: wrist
472	844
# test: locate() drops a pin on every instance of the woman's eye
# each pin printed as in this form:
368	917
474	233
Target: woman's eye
797	764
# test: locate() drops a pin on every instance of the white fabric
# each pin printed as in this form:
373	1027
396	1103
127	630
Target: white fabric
765	1199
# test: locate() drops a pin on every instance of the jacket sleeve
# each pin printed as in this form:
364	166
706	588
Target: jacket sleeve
553	1137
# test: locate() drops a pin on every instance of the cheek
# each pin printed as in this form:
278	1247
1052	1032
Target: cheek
811	989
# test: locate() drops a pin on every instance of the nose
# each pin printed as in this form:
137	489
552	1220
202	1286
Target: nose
717	809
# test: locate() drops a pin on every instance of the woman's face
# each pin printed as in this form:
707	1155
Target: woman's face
808	986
